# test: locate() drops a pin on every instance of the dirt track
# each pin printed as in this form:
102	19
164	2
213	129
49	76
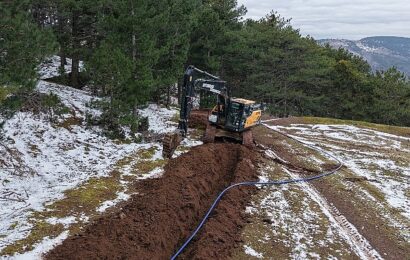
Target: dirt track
358	212
153	223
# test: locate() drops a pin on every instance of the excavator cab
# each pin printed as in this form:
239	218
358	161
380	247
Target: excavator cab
250	115
236	114
232	119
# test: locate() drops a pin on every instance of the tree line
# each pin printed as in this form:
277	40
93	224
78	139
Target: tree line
135	50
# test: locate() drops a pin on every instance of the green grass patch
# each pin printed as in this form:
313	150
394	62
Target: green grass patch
40	230
407	193
175	118
87	197
143	167
197	133
147	154
120	141
13	226
183	149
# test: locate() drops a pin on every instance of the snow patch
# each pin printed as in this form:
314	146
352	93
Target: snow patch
159	118
50	68
367	153
121	196
250	251
46	245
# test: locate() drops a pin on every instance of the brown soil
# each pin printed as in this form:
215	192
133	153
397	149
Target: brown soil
199	118
156	221
222	231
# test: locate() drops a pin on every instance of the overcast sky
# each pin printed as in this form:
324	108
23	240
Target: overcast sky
349	19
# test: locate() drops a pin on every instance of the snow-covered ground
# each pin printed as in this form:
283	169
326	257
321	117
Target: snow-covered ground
50	68
156	117
294	221
77	100
367	153
39	159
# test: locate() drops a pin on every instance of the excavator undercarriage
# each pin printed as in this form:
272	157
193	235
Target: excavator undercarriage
213	133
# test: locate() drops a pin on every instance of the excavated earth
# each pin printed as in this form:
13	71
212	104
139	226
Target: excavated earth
157	220
199	118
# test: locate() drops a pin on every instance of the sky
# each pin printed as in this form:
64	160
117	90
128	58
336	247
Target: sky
347	19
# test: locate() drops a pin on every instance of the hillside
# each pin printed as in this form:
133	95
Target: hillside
58	175
64	182
382	52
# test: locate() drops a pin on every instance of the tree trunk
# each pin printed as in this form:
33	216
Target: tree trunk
75	71
134	37
111	105
179	93
168	96
286	100
75	65
63	61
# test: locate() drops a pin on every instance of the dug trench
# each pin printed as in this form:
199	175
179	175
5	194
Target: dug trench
157	220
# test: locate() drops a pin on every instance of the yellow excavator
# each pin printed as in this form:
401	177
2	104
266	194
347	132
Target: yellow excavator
231	118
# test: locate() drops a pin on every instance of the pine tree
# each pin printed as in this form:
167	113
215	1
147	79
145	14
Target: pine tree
174	41
392	98
216	21
23	45
111	69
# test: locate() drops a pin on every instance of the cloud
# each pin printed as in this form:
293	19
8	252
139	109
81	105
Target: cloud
351	19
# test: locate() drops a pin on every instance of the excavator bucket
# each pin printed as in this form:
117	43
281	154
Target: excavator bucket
170	143
210	133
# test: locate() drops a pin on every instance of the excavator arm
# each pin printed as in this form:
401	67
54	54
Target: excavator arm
194	80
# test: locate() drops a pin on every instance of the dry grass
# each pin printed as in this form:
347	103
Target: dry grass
397	130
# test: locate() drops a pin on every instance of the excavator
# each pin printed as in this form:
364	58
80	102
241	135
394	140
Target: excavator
231	118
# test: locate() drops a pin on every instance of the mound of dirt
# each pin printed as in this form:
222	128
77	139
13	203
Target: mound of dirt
199	118
155	222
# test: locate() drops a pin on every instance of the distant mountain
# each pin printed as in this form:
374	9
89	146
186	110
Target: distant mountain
382	52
